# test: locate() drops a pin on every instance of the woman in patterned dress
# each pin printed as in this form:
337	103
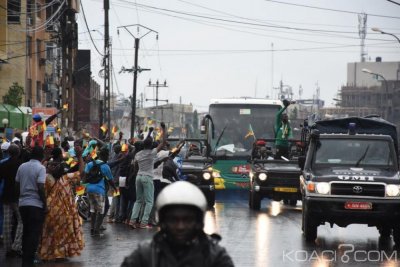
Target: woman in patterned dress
62	235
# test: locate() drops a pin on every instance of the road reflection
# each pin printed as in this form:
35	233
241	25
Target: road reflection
262	235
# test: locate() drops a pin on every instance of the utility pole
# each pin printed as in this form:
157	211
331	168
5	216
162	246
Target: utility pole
106	62
272	71
157	85
135	69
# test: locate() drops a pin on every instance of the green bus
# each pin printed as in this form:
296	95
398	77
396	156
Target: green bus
238	122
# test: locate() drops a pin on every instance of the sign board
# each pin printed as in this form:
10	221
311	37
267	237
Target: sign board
45	112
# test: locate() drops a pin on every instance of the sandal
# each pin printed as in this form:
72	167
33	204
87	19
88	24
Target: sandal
133	224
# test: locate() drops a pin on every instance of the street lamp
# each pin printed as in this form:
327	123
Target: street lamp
386	87
382	32
5	123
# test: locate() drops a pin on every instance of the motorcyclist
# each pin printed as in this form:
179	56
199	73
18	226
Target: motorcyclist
181	241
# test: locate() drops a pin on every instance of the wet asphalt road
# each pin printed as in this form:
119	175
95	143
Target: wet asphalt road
269	237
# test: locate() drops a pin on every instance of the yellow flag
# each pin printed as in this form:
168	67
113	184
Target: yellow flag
114	129
65	107
250	133
104	128
80	190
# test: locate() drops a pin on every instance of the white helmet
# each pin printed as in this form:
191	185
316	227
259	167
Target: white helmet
181	193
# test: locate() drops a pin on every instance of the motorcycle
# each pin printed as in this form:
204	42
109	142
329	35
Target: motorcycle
82	202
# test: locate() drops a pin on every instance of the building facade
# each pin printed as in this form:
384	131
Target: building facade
86	97
13	46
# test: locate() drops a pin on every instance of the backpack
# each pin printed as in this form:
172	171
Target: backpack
94	175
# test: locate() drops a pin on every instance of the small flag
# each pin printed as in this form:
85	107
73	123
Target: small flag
114	129
159	134
80	190
44	126
104	128
250	133
49	140
116	193
93	154
124	148
65	107
71	162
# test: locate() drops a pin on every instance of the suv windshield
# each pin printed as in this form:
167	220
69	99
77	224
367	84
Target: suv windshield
356	153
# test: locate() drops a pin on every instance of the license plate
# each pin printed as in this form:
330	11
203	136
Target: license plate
358	205
285	189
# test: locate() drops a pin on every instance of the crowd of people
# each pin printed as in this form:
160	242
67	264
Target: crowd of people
40	180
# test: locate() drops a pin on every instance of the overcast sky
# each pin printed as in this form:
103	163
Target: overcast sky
222	48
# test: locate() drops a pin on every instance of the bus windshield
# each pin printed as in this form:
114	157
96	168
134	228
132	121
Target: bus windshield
237	120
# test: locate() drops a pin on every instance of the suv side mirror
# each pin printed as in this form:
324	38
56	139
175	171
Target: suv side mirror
302	162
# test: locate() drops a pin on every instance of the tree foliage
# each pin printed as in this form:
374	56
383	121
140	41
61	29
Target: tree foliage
14	95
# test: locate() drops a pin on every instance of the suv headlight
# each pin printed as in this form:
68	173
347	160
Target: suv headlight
206	175
215	174
262	176
392	190
323	188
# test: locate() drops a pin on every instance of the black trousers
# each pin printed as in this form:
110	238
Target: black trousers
282	151
32	220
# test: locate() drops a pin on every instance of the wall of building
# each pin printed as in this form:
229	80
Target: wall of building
36	59
13	49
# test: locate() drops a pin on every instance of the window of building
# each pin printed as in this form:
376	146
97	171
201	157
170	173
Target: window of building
38	92
38	48
38	10
30	18
29	45
51	8
50	51
14	11
29	93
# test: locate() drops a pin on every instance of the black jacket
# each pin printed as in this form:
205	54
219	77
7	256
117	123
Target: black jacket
8	171
169	170
205	252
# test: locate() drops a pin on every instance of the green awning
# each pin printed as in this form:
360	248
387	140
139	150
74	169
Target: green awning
15	117
27	118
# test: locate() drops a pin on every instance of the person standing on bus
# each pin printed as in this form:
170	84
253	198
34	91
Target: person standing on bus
283	132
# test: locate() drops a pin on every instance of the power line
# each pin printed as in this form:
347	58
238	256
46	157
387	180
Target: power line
217	24
240	22
330	9
393	2
87	27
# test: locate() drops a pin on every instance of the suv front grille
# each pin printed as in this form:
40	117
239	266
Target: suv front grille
371	190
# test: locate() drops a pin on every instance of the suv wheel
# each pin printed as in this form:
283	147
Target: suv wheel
309	226
396	235
210	199
255	201
385	231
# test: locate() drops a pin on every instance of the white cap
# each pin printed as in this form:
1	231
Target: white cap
15	139
5	146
